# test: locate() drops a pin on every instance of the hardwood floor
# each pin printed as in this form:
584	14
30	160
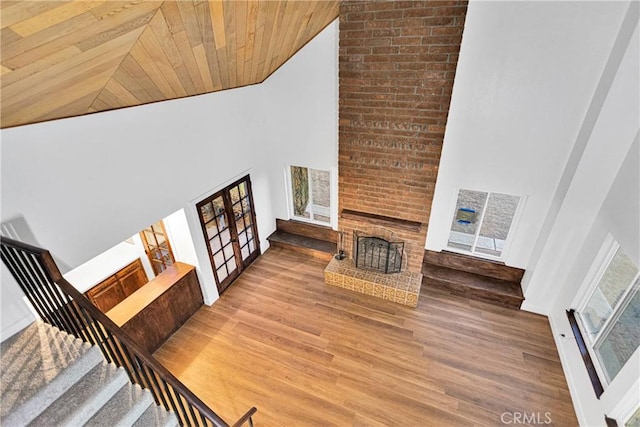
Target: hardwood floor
308	354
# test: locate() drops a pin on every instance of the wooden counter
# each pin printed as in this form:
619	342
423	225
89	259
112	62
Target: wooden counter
155	311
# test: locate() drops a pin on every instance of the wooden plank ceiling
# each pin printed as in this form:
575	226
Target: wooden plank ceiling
69	58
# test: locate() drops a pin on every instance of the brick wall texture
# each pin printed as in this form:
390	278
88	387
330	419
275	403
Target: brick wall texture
397	62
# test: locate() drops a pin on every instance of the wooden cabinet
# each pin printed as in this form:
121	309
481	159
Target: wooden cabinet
156	311
132	277
111	291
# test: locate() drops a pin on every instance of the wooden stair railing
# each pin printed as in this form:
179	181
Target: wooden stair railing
58	303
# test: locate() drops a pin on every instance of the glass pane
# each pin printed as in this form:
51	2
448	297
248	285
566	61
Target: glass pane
151	240
221	220
207	212
321	195
218	259
300	191
242	187
465	221
245	253
252	245
242	238
212	229
615	280
226	237
231	264
237	211
235	195
496	223
222	273
617	346
228	252
218	205
634	421
215	244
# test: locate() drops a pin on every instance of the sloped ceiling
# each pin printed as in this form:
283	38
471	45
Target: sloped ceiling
69	58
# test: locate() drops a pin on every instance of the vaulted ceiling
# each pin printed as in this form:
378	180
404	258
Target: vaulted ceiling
69	58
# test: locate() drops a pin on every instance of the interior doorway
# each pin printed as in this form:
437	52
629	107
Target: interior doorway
229	227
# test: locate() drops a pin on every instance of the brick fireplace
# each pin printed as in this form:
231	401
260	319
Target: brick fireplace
397	63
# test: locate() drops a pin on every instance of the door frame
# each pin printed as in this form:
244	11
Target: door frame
241	265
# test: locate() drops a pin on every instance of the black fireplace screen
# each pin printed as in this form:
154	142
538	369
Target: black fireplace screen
377	253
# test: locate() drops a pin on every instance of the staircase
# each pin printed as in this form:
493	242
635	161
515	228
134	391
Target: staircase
51	378
474	278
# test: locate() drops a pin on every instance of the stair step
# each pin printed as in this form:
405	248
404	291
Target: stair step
123	409
306	229
315	247
40	364
470	264
498	291
85	398
157	417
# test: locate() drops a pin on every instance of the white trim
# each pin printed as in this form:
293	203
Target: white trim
566	361
598	266
628	405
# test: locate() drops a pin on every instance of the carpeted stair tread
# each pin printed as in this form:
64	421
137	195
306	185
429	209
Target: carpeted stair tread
157	417
85	398
124	408
40	364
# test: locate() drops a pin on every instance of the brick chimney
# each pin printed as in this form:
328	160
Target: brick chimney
396	69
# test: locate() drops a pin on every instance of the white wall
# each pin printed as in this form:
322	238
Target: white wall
302	114
614	131
546	105
87	183
525	78
94	271
605	187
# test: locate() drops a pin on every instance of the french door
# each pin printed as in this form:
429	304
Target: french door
229	227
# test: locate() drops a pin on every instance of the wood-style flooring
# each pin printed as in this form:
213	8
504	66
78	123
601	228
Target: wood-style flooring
308	354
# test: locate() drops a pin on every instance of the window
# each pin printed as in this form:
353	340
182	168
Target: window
609	316
310	194
634	421
482	222
157	247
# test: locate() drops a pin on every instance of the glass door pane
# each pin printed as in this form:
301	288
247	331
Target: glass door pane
243	215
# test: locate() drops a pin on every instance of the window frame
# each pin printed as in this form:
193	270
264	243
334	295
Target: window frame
289	196
601	263
514	224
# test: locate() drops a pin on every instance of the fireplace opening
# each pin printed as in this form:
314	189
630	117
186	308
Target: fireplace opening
376	253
